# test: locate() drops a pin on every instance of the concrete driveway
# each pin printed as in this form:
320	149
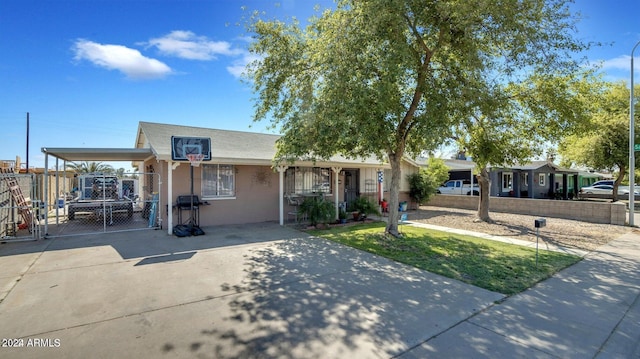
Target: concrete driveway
239	291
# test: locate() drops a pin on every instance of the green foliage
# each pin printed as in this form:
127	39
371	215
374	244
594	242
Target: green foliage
424	183
386	78
90	167
317	210
604	145
364	206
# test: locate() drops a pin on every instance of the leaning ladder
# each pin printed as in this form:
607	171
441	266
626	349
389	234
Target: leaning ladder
16	192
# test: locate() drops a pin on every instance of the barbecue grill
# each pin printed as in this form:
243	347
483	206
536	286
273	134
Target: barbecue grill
184	203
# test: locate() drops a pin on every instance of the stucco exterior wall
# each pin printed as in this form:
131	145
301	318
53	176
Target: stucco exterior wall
256	196
595	212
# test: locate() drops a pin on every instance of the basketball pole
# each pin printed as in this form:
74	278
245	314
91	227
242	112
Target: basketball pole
192	210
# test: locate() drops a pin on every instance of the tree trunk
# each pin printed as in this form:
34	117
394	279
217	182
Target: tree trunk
483	206
394	191
616	183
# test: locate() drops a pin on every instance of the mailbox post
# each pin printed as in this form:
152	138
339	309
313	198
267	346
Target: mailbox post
539	223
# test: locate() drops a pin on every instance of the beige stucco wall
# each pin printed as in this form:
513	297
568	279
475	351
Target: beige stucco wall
256	193
595	212
256	196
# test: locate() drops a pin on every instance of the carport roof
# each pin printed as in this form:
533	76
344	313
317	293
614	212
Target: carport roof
99	154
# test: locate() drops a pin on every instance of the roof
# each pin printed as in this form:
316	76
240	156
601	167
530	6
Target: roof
536	165
227	146
99	154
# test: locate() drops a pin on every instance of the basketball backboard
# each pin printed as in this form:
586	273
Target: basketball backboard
183	146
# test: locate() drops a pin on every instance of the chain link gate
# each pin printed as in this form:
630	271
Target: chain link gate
20	209
100	203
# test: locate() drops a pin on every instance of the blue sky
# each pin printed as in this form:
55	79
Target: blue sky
88	71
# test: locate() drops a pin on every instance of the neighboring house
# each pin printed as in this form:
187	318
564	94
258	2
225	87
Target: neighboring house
460	169
588	178
537	179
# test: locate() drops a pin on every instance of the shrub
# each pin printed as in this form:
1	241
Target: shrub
424	184
317	210
364	206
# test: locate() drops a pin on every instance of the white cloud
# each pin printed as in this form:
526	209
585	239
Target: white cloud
619	63
238	66
186	45
117	57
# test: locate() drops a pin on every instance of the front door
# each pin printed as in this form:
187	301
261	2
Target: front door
351	185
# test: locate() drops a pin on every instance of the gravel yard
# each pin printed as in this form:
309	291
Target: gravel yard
561	232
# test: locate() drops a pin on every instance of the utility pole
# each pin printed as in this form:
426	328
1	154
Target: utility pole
27	144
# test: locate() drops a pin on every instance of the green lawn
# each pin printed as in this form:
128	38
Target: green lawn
496	266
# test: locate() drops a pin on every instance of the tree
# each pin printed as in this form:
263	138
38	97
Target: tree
542	108
424	183
390	78
605	145
90	167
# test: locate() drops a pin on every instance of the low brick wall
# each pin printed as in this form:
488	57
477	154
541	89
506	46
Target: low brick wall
594	212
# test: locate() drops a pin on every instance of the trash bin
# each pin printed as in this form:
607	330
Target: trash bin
403	206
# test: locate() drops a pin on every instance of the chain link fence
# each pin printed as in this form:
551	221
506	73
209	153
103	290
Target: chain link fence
19	207
99	203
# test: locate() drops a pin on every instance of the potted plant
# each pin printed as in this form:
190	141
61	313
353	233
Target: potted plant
364	207
342	215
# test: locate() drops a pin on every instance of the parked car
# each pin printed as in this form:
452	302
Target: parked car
603	182
604	189
460	187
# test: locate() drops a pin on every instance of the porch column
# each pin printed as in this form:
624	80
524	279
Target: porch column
530	184
565	189
336	172
172	166
57	192
45	195
281	169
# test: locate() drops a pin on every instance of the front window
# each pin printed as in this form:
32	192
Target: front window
307	180
507	181
541	178
218	181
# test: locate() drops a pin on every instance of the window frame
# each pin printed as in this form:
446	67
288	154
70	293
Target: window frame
301	180
541	179
204	187
506	175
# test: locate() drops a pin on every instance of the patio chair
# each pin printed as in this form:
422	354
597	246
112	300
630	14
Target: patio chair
294	202
403	220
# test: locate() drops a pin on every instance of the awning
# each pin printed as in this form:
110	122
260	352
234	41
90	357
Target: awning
99	154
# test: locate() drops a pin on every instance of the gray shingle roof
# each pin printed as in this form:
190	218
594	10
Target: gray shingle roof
235	147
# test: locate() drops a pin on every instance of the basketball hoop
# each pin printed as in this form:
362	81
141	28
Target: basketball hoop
195	159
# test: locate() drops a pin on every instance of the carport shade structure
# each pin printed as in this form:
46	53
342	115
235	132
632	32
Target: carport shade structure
91	154
98	154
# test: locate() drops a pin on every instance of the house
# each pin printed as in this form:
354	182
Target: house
240	182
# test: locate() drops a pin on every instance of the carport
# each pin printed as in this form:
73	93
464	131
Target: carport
135	155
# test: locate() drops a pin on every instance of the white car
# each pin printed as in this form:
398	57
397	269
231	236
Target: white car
604	189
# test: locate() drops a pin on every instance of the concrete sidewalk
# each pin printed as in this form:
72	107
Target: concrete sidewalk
270	291
589	310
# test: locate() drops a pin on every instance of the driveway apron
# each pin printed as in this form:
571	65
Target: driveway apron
237	292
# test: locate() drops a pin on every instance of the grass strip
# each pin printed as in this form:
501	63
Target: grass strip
496	266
